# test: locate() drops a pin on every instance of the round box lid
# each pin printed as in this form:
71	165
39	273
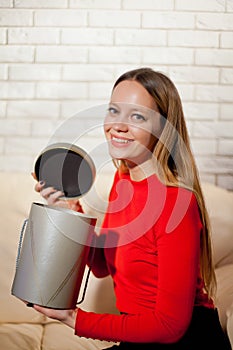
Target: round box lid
67	168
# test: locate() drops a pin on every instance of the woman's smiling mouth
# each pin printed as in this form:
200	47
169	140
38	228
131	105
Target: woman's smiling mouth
120	141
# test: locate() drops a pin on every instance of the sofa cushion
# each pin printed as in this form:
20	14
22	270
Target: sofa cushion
230	323
224	295
15	201
219	203
95	201
58	336
21	336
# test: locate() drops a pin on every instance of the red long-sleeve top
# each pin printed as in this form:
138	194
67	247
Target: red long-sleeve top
151	234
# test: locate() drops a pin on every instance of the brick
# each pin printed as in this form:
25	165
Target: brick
2	109
114	55
213	129
60	18
204	147
193	38
94	113
214	93
200	111
226	76
122	68
24	145
213	21
16	163
40	4
225	147
43	128
88	72
16	54
2	142
2	36
15	127
33	36
61	54
200	5
140	37
17	90
116	19
13	17
167	55
229	5
6	3
226	40
72	108
91	144
119	69
3	71
186	92
226	111
35	72
207	178
61	90
100	90
189	126
79	128
214	165
214	57
193	74
95	4
33	109
86	36
148	5
167	20
225	181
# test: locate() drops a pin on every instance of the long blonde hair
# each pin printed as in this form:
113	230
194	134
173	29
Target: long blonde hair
174	155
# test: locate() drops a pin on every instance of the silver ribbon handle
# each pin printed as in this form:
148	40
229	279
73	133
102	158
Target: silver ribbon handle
21	241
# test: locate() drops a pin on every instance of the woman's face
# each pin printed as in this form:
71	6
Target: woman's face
132	124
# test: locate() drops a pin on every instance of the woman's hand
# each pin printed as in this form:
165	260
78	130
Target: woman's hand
67	317
55	197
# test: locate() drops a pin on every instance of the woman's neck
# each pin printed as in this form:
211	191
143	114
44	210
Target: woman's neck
142	171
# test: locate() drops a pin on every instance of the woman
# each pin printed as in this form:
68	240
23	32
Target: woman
156	228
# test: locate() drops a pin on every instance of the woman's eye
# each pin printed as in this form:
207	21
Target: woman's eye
138	117
112	110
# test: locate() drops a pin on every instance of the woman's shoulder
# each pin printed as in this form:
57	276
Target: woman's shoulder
179	190
180	196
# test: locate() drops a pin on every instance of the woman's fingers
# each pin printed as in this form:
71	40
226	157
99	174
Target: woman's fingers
34	176
51	195
46	192
39	186
74	205
54	197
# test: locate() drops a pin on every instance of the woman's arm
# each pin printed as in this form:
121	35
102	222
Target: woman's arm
97	262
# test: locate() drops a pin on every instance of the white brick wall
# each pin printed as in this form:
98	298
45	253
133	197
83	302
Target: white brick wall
60	57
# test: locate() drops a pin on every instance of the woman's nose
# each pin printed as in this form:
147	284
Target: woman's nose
120	124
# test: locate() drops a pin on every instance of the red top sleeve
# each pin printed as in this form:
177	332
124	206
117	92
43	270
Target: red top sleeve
165	260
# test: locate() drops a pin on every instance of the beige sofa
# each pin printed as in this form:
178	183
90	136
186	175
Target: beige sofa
22	328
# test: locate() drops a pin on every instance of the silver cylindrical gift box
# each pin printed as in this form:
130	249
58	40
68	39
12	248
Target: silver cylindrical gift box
53	255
